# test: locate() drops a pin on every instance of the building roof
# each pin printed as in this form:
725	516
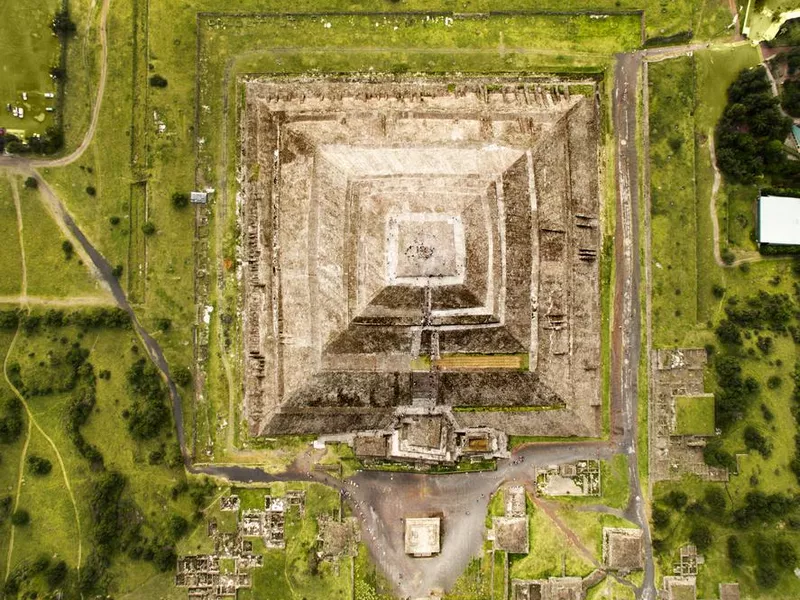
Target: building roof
622	548
422	536
554	588
779	220
511	534
199	197
371	445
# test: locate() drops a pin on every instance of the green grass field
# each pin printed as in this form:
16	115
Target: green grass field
50	273
10	257
27	51
694	415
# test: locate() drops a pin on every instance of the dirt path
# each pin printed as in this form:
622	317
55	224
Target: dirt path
101	88
58	302
32	422
18	493
18	209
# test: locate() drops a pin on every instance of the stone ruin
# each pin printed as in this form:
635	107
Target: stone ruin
677	372
421	242
579	478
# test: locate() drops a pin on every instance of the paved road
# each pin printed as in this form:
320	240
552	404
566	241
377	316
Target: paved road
626	342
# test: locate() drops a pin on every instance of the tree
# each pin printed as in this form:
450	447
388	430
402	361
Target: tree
182	376
91	190
163	324
735	554
178	527
677	499
21	517
785	554
148	228
58	73
56	574
180	200
114	220
31	183
715	500
68	249
728	332
38	465
700	536
158	81
62	24
117	271
660	517
766	576
753	440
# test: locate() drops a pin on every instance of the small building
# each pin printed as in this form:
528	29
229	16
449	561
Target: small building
554	588
422	536
680	588
511	534
778	220
623	549
198	197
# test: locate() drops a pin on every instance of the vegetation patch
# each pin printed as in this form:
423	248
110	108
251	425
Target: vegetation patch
694	415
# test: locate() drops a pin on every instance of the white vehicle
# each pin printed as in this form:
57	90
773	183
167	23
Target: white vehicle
49	109
24	95
49	95
14	111
21	114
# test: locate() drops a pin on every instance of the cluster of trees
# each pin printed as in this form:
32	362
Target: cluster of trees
772	554
762	311
790	97
54	574
736	392
751	132
12	422
795	463
86	318
38	465
149	413
51	141
79	409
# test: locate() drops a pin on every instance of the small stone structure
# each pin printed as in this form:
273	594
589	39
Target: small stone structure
677	373
728	591
679	588
425	435
689	560
422	537
202	576
338	538
510	532
229	503
579	478
554	588
623	549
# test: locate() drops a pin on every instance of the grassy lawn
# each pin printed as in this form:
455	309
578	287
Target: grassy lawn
549	547
27	51
10	257
50	273
694	415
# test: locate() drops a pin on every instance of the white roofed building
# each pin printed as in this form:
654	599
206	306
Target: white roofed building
779	220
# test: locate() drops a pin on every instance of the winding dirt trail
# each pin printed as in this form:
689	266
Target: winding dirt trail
32	422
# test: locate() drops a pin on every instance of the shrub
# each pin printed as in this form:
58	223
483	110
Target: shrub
114	220
774	382
715	455
178	527
766	576
21	517
158	81
660	517
754	440
717	290
180	200
148	228
91	190
735	554
785	554
163	324
68	249
700	536
56	574
38	465
182	376
62	25
677	499
117	271
728	332
31	183
716	501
